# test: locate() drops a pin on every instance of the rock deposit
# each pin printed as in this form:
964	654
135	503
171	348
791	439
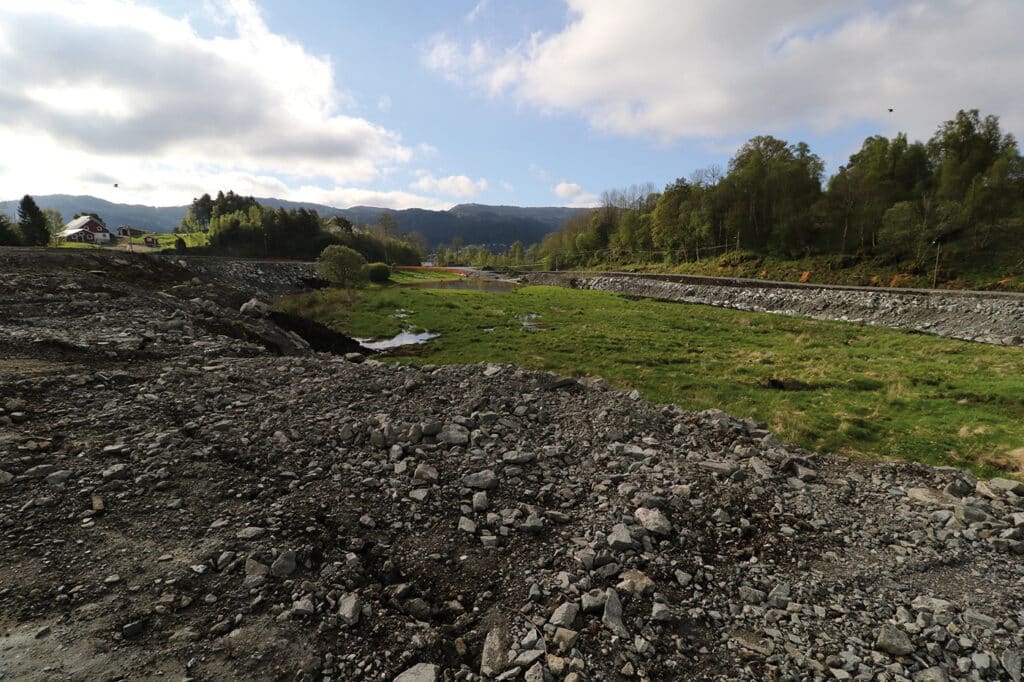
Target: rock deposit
184	502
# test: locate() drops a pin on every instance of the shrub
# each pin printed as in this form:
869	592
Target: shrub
378	272
342	266
179	244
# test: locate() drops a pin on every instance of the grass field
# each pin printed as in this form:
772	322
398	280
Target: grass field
166	241
866	392
420	275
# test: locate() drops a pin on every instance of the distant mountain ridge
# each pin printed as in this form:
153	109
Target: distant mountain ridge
473	223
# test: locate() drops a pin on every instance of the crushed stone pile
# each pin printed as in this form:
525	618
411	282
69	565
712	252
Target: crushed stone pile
206	508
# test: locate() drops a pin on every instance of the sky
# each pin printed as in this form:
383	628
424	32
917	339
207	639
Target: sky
400	103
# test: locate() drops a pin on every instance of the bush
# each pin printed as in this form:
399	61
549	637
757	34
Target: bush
342	266
378	272
179	244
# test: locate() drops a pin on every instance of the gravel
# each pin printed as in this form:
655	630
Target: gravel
302	516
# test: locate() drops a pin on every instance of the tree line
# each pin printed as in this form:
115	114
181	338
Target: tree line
239	226
33	227
894	200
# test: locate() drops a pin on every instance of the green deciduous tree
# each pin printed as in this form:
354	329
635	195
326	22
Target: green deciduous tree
54	222
8	234
342	266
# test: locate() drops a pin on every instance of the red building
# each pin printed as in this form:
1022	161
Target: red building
86	229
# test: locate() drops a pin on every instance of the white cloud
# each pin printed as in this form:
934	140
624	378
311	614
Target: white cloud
480	6
667	69
452	186
384	103
540	172
113	89
574	195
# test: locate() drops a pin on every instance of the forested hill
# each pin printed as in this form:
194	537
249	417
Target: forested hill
951	203
472	223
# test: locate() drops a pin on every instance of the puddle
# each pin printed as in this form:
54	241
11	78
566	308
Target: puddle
402	339
494	286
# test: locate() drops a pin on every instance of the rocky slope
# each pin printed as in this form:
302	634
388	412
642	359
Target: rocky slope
178	499
984	317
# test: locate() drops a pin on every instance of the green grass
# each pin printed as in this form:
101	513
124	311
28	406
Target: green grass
867	392
419	276
166	241
77	245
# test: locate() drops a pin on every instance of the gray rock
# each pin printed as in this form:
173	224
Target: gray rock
5	478
593	601
931	496
303	607
978	618
894	641
421	672
620	539
1011	662
492	660
1006	485
349	608
565	615
751	595
284	565
653	521
453	434
535	673
722	469
58	477
612	617
253	567
255	308
481	480
115	472
933	674
44	470
565	638
425	472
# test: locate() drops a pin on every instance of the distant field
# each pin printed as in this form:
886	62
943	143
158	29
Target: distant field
420	275
837	387
164	241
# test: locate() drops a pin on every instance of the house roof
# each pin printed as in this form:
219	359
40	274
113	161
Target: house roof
80	222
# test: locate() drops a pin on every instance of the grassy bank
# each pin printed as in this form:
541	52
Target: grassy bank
829	386
998	271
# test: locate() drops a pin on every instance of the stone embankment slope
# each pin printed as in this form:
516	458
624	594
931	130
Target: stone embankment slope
986	317
202	507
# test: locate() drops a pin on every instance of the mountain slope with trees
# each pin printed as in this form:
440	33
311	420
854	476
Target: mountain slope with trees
472	223
959	196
